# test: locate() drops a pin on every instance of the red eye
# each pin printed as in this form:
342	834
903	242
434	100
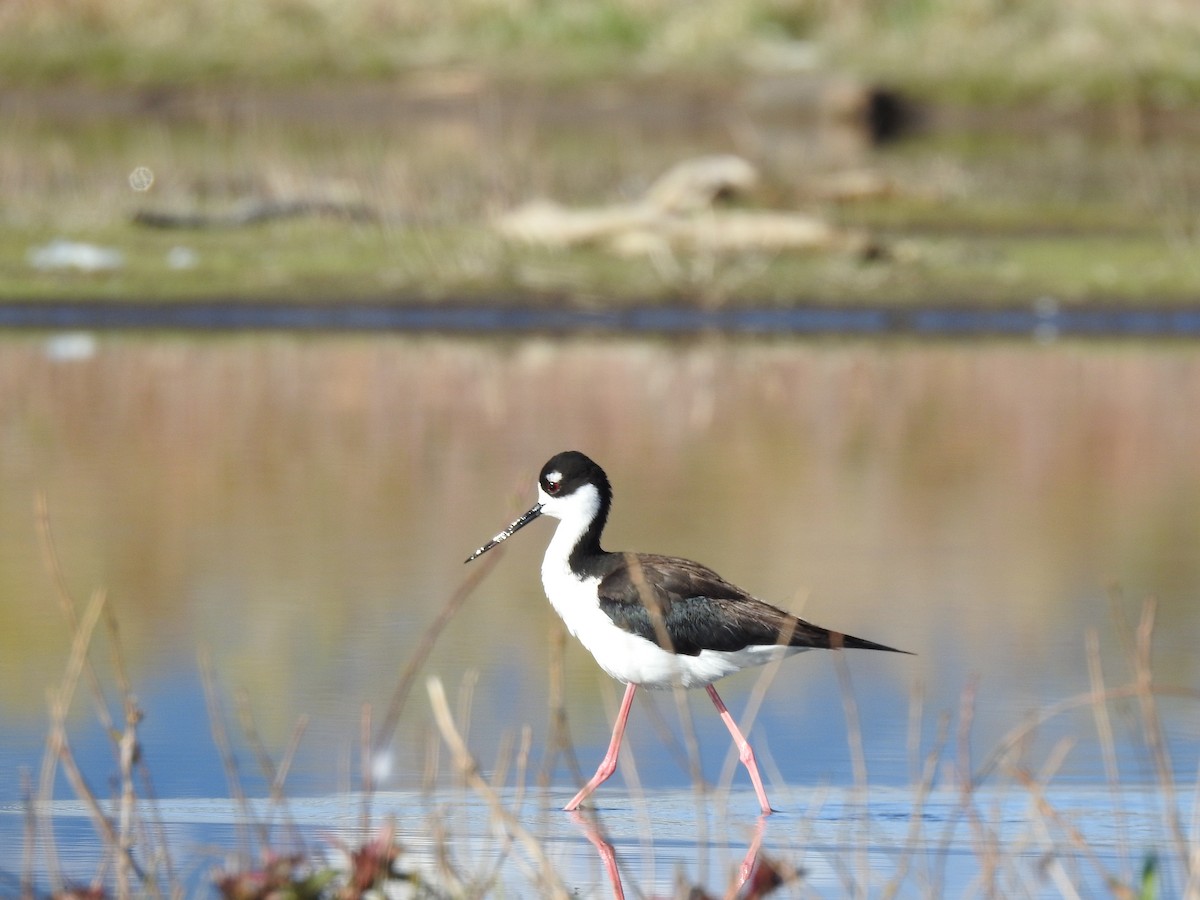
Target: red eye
552	487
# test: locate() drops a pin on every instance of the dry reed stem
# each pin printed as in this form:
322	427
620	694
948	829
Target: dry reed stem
285	764
126	742
1050	860
522	773
50	757
520	761
1023	731
1048	813
65	600
128	752
127	745
276	775
30	837
1142	689
469	769
59	748
1192	889
858	757
924	787
447	874
1104	729
671	742
42	801
504	757
916	714
1153	730
246	824
466	700
450	608
59	703
1108	744
429	774
559	739
632	776
627	759
858	762
366	770
966	710
653	608
691	741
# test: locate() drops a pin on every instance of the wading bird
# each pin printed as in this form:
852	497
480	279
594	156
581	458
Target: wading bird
650	620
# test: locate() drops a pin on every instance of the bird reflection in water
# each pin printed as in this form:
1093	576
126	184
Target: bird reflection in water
758	875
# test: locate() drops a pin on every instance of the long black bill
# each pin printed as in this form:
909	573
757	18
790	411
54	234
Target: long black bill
508	532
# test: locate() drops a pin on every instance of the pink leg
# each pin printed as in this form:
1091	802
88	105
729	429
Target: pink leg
609	764
745	753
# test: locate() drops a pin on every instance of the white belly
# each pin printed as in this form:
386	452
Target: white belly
631	658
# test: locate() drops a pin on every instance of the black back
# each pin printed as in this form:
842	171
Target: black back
686	607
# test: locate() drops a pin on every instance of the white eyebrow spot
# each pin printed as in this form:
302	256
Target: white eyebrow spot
554	476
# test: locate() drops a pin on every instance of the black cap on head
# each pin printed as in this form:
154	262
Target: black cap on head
565	472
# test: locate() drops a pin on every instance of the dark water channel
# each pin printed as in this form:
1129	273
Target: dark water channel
1042	321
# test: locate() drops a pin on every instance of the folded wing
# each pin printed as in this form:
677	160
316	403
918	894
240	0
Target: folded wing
686	607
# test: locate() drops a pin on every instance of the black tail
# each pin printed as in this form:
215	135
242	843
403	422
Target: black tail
805	634
838	641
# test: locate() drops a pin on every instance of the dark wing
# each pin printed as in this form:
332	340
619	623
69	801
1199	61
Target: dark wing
686	607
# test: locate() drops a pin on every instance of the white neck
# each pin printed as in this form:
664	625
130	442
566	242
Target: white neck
575	513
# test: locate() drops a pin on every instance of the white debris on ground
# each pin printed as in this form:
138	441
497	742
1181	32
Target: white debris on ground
180	258
61	253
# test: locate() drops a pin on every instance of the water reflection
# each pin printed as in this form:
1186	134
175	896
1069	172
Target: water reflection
302	507
755	877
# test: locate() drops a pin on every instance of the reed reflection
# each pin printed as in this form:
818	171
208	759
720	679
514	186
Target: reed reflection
300	505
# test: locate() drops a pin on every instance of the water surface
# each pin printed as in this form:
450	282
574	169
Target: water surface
300	507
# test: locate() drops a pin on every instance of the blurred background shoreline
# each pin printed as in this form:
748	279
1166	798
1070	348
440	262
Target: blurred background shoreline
966	153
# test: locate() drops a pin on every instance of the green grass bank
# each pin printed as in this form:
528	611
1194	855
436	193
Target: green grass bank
1103	51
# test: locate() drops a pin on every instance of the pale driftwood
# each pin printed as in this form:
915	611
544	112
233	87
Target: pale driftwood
695	184
754	230
676	211
551	224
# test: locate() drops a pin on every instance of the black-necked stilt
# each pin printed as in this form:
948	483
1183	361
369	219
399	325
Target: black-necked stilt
653	620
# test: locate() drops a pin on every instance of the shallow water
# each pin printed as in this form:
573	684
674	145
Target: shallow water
300	507
824	841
